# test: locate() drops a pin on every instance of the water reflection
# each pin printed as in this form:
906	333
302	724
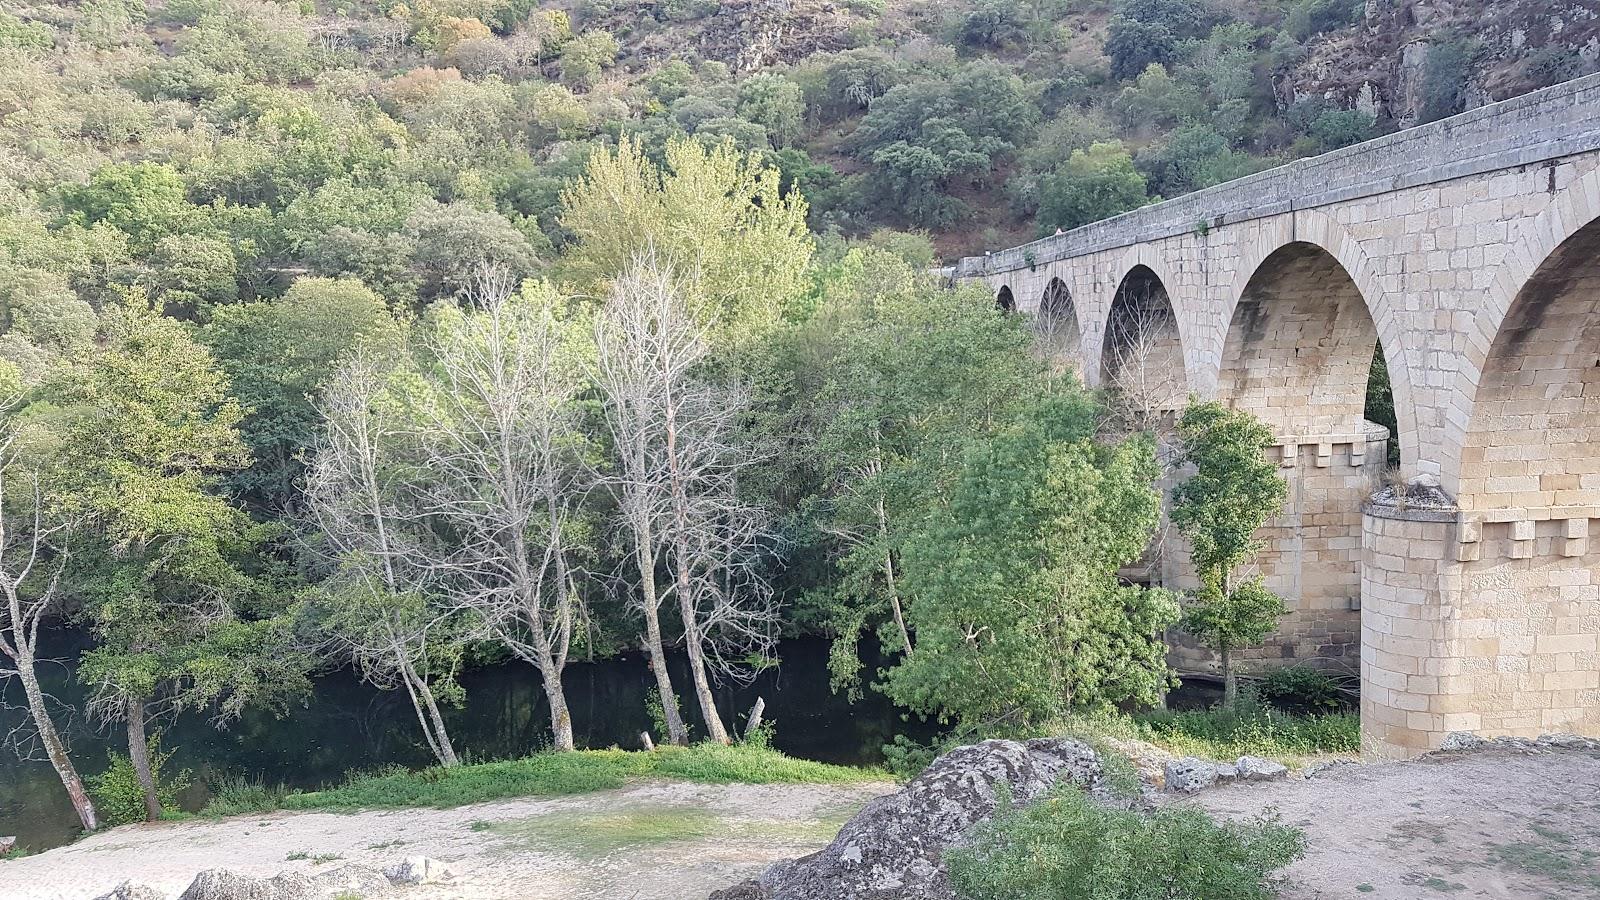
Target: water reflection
348	726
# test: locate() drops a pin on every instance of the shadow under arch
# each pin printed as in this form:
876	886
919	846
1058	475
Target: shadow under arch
1533	439
1004	300
1316	229
1534	249
1299	349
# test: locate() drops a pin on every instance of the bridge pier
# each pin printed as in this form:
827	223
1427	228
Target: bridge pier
1492	628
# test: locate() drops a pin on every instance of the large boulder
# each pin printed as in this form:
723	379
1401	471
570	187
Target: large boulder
222	884
893	849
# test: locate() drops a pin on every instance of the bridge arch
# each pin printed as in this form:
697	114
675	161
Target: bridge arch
1532	440
1143	347
1005	300
1345	266
1058	333
1543	253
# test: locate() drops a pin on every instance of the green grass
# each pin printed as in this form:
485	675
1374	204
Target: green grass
547	775
1226	733
593	835
233	795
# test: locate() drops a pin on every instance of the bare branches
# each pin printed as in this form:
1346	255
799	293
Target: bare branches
1143	361
680	453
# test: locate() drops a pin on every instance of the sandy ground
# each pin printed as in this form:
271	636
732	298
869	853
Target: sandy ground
648	841
1481	824
1486	824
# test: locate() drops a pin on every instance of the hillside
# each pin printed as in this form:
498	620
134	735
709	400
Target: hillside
983	122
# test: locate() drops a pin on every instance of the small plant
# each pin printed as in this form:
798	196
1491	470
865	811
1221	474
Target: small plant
1029	258
297	855
323	858
1302	689
232	795
1068	846
658	712
118	794
1202	228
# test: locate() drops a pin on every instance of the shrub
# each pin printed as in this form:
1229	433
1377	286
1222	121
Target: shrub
1067	846
118	795
1301	689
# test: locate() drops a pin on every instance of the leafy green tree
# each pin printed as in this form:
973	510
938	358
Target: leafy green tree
1095	184
144	200
163	572
278	356
738	245
585	56
1148	32
1445	76
1233	492
774	103
893	374
452	243
1018	613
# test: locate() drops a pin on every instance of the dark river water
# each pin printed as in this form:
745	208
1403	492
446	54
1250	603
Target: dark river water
345	726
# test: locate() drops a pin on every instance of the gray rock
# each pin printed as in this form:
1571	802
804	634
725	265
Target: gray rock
359	880
1254	768
1462	740
7	844
419	870
1226	773
132	890
1190	774
222	884
893	849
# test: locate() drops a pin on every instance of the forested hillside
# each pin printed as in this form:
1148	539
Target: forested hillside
344	137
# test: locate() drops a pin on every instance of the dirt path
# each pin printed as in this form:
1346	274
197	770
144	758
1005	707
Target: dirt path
1481	824
649	841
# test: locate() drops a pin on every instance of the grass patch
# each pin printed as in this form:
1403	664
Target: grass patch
232	795
594	835
1227	733
557	774
13	853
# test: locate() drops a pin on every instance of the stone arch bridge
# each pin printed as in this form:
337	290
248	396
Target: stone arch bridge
1467	254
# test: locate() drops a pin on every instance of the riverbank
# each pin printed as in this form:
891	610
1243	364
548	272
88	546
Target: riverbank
665	840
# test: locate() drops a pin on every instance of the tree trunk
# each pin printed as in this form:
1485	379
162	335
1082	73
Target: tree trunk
560	714
1230	681
888	577
676	733
139	755
54	748
447	752
697	658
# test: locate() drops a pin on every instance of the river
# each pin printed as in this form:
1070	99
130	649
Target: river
346	726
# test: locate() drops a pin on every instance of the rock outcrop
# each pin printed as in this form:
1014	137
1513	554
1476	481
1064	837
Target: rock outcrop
893	848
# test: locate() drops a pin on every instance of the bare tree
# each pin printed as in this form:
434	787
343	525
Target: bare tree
505	476
1056	338
679	458
1143	362
379	618
32	555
